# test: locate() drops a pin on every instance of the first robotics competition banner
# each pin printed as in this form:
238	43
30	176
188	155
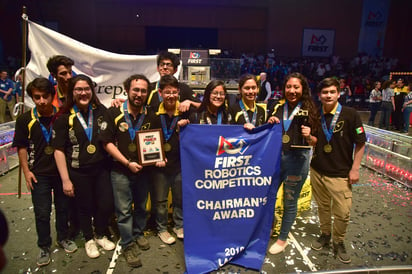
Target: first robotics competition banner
108	70
230	179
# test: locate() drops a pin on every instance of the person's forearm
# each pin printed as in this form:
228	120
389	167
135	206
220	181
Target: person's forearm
358	155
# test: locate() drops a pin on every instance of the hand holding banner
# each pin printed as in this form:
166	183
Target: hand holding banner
230	179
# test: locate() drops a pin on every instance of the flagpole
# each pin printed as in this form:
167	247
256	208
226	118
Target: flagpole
23	78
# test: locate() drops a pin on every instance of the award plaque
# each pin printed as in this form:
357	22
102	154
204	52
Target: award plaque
150	146
297	140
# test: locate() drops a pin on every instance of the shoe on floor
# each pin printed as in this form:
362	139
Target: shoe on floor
322	241
142	243
179	232
44	257
340	252
105	243
68	245
130	255
166	237
91	249
277	248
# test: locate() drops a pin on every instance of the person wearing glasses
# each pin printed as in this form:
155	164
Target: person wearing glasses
213	109
83	163
167	64
169	175
246	112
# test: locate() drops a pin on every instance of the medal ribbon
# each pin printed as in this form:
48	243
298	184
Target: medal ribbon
158	93
46	133
245	114
287	120
219	118
88	128
132	130
168	131
329	132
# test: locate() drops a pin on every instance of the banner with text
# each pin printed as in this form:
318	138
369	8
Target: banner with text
107	69
373	26
318	42
230	179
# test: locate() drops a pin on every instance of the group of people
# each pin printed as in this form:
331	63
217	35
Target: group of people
10	94
394	99
72	144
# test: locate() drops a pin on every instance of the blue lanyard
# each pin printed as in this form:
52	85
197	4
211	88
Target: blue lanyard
132	130
245	114
287	120
88	128
46	133
329	132
167	132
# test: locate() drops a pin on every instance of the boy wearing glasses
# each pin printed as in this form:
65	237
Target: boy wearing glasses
167	64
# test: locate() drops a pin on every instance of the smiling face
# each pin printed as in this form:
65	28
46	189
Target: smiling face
170	95
64	73
249	91
137	93
329	98
217	98
293	91
82	94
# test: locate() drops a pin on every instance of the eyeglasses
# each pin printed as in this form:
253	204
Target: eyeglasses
217	93
170	92
169	65
80	90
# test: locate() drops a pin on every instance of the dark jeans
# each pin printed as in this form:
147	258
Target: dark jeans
374	107
387	109
294	169
161	182
128	191
41	196
94	198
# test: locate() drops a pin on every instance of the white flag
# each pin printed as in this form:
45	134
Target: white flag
107	69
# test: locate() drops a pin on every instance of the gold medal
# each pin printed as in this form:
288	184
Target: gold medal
48	150
91	149
167	147
132	147
327	148
285	139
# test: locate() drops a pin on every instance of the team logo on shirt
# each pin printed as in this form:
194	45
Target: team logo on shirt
339	126
123	126
231	146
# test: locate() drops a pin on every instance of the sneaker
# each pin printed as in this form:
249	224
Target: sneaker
179	232
340	252
91	249
105	243
44	257
130	256
321	242
68	245
143	243
166	237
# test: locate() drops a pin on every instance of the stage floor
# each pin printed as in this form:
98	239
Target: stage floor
379	236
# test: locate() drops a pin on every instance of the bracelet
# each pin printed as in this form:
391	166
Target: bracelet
128	164
310	139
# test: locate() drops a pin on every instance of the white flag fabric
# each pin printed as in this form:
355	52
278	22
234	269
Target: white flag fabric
107	69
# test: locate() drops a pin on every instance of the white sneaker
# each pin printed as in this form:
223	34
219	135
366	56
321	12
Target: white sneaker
91	249
105	243
179	232
166	237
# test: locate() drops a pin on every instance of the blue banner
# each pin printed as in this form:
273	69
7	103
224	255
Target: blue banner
373	26
230	179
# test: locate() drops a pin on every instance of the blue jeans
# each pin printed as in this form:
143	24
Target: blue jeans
294	168
406	117
128	190
387	109
41	196
161	182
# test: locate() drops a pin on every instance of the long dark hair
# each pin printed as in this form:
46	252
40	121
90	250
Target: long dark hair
206	96
69	103
306	99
